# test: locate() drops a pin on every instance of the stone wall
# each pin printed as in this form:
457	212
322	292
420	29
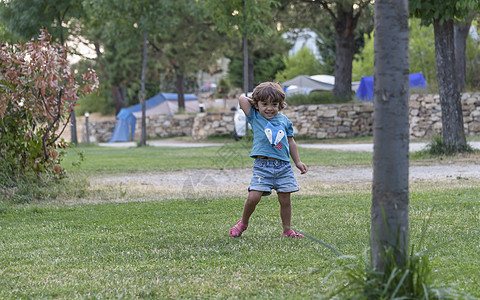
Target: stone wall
166	126
332	120
426	115
316	121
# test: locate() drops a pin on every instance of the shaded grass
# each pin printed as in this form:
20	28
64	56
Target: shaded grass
181	248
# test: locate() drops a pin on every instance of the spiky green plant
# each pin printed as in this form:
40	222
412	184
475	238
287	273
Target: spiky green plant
413	280
437	147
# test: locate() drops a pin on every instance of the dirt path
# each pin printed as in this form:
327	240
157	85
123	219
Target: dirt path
211	183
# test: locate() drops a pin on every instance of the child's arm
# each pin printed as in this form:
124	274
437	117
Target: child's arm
296	158
245	104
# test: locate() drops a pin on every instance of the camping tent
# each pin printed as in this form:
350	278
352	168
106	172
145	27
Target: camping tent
162	103
304	84
125	128
365	90
165	103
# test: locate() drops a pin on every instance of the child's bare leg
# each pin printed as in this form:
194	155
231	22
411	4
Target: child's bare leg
285	210
250	205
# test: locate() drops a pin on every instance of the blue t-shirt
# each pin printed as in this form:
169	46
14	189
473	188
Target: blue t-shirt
270	137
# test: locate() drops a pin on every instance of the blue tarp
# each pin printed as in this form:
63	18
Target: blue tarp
365	90
125	128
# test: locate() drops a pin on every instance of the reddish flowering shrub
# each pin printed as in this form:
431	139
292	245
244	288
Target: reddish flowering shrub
38	92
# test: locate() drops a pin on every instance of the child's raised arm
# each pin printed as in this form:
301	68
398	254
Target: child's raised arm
245	104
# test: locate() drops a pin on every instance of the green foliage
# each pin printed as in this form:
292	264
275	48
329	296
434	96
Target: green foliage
363	62
239	17
25	18
421	54
422	51
413	281
437	147
472	80
94	102
317	97
223	88
267	54
301	63
429	10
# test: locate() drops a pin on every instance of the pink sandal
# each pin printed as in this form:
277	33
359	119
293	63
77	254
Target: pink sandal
238	229
292	234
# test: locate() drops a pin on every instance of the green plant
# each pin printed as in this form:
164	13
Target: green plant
303	62
316	97
223	88
437	147
37	94
412	280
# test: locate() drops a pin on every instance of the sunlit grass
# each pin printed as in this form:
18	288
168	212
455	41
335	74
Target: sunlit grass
233	155
181	249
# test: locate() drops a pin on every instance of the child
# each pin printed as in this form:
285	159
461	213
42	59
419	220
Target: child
273	144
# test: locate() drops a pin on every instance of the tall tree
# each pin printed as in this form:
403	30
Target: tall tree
25	18
461	30
389	227
345	15
442	14
191	46
245	19
128	23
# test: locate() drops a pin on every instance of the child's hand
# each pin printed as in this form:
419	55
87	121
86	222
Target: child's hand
302	167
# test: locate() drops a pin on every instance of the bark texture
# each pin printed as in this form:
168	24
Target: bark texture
461	30
452	118
344	51
180	85
120	98
390	196
143	140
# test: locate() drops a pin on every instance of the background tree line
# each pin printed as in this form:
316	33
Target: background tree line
184	37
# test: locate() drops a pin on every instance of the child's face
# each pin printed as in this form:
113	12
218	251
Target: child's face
268	109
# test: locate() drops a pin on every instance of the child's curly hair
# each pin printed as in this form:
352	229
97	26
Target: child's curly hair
269	92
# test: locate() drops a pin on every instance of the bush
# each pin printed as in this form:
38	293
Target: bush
37	94
437	147
321	97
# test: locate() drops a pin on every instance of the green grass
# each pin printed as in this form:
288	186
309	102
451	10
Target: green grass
181	248
233	155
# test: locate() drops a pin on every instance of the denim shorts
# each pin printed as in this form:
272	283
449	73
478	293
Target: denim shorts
271	174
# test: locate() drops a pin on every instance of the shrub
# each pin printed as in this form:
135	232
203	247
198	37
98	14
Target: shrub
321	97
38	92
437	147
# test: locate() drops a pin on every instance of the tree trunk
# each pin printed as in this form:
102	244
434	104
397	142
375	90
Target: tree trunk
143	141
179	84
73	128
452	118
120	98
245	74
344	51
251	72
389	228
461	30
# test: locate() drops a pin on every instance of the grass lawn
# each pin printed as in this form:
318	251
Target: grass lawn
180	248
233	155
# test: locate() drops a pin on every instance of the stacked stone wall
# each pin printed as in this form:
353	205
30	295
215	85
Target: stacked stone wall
314	121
